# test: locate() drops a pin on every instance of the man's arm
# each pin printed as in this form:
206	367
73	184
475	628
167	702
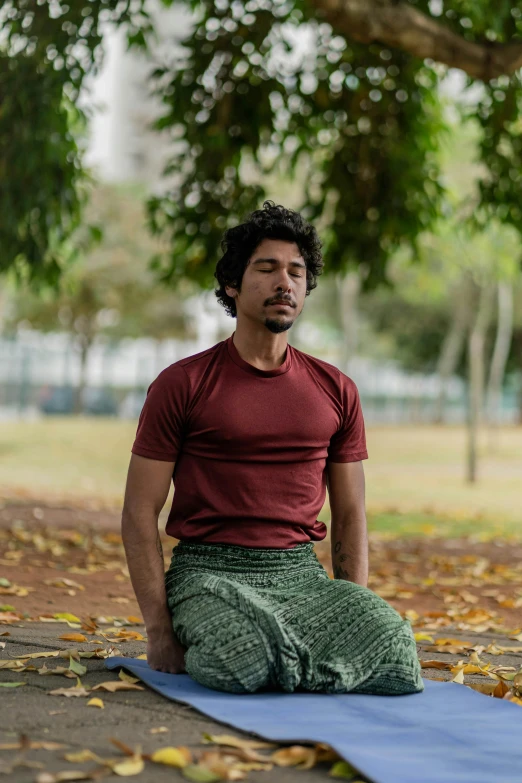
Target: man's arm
147	489
348	531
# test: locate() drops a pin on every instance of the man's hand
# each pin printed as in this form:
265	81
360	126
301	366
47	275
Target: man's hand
164	652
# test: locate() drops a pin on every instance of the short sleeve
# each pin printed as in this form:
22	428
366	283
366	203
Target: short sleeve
348	444
162	419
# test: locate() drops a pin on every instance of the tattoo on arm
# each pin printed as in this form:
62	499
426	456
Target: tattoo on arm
339	557
158	546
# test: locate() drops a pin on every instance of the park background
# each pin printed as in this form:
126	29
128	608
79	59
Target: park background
132	133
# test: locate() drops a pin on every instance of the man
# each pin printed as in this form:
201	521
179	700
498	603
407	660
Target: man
252	431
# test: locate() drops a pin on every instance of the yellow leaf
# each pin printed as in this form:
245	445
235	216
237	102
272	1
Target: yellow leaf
61	777
33	745
142	657
70	618
53	654
452	642
159	730
221	764
295	756
126	677
237	742
487	688
434	665
501	689
128	767
172	757
253	766
73	637
423	637
326	753
13	663
81	756
95	702
468	668
117	685
459	677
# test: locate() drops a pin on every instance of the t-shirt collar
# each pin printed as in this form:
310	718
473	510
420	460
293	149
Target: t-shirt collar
236	358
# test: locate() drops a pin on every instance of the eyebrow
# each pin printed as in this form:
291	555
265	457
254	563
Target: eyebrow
275	261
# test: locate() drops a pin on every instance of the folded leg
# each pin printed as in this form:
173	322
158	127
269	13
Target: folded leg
225	650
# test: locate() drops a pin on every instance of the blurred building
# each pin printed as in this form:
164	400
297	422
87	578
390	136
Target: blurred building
123	148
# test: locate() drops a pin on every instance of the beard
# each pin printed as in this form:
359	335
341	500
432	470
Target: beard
276	327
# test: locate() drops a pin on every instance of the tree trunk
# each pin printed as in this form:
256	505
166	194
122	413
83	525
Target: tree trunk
85	347
453	344
348	288
476	343
500	352
400	25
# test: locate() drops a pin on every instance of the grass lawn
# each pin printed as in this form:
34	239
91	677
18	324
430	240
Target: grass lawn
415	475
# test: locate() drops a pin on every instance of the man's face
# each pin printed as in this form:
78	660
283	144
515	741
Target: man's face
276	272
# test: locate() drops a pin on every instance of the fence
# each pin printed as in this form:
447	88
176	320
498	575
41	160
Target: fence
39	372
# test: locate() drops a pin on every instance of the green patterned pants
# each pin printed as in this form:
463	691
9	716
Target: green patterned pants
272	618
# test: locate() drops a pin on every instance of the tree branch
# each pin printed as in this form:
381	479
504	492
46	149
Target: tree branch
400	25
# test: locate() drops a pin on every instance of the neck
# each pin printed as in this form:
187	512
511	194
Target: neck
263	350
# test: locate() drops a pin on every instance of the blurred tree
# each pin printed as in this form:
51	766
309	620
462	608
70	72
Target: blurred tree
342	94
110	291
46	51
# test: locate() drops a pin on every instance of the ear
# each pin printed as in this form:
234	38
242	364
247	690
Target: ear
232	292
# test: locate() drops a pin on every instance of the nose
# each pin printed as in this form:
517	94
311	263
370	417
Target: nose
284	282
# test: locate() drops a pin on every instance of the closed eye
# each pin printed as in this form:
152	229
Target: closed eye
267	271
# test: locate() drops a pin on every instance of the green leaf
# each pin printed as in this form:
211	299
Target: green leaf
76	667
341	769
4	582
11	684
199	774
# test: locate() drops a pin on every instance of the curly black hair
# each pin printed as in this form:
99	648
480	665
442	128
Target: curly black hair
239	243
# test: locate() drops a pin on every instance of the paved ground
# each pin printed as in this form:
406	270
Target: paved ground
129	716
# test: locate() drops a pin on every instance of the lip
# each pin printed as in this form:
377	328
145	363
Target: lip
281	304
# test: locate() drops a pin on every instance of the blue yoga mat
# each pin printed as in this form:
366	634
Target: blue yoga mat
446	734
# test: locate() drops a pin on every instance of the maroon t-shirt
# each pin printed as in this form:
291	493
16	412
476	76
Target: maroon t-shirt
250	445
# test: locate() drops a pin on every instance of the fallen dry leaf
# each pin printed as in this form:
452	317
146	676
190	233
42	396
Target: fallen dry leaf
122	674
95	702
129	766
172	757
32	745
237	742
76	690
298	756
159	730
435	665
199	774
73	637
61	777
459	677
14	663
117	685
221	765
81	756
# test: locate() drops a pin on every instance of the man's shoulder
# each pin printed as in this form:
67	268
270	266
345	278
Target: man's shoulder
194	363
322	369
314	364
